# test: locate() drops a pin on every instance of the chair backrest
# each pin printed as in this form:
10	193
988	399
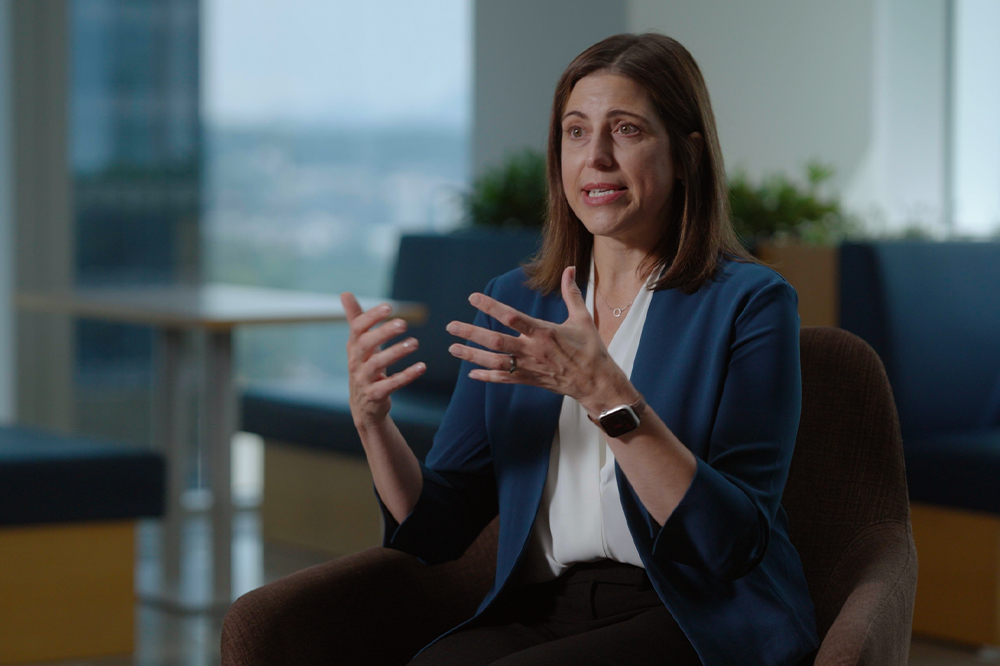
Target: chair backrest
847	473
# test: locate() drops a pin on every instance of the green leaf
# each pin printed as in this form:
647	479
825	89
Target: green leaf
512	194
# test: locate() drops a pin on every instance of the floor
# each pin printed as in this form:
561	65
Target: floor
165	638
172	639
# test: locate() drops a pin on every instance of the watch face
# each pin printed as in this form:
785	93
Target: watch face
619	421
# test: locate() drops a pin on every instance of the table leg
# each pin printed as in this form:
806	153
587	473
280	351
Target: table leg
218	423
170	437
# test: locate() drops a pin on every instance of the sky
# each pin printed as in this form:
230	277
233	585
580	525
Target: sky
333	63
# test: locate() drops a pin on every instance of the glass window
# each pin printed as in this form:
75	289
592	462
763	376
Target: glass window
330	129
976	117
135	159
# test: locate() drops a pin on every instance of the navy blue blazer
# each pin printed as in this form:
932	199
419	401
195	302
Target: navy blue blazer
721	368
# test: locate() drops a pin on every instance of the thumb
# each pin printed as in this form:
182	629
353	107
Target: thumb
571	293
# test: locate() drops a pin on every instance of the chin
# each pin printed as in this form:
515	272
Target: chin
606	228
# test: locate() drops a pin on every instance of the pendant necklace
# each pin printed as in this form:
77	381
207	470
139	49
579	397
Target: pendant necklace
617	312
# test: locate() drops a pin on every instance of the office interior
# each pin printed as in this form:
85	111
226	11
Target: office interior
153	143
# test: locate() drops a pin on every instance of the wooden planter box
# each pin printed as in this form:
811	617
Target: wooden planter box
66	590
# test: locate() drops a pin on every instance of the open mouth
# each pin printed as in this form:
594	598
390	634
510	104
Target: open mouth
602	194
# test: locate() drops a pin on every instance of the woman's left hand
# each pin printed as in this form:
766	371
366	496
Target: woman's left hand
568	358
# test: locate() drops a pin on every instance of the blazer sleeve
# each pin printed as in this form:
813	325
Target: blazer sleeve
722	524
459	494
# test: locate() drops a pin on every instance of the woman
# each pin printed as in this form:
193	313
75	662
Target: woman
628	403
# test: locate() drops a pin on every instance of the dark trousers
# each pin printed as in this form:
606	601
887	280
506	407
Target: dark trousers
596	614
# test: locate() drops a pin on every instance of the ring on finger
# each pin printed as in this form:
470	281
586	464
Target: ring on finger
513	364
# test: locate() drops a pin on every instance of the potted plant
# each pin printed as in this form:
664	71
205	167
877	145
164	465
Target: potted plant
511	195
796	229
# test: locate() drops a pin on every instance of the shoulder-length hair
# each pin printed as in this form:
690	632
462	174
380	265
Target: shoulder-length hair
697	231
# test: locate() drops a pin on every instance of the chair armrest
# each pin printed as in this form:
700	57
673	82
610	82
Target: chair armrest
877	580
378	606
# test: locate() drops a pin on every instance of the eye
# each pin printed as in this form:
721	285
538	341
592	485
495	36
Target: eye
575	132
628	130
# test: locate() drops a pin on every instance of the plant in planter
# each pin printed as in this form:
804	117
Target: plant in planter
795	229
780	210
511	195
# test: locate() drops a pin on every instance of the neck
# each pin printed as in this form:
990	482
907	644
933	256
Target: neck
617	281
617	269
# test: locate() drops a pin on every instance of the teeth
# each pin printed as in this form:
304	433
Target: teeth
601	193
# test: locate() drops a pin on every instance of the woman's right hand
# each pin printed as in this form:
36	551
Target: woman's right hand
370	384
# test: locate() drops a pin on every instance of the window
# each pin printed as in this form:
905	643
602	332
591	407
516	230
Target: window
135	160
330	129
976	117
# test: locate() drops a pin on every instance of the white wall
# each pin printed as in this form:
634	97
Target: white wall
6	226
859	84
789	80
520	49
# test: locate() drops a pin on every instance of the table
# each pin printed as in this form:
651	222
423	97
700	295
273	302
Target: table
215	309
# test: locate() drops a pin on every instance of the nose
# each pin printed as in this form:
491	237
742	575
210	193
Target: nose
600	154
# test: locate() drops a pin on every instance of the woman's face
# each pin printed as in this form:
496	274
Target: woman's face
617	172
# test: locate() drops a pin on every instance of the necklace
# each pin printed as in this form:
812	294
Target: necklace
617	312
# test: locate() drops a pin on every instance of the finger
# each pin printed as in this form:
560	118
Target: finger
503	313
571	293
387	357
381	390
364	321
369	342
495	376
481	357
484	337
351	306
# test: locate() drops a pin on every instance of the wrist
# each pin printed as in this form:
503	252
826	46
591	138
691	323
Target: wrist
612	393
371	426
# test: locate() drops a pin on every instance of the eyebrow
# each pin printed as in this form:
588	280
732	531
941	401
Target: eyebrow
612	112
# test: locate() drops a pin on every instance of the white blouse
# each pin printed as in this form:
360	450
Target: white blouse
580	518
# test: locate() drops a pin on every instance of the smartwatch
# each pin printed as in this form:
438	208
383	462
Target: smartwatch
620	420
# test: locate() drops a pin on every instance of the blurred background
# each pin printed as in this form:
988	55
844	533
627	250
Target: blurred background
291	144
246	142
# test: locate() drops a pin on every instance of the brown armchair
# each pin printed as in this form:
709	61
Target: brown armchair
848	512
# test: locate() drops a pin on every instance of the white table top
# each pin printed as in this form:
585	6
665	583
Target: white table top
210	306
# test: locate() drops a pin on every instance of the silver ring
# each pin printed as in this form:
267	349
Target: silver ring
513	364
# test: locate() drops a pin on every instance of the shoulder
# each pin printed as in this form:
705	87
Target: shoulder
758	298
746	275
745	281
738	293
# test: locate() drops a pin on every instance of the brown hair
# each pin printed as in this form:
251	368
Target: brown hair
698	229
